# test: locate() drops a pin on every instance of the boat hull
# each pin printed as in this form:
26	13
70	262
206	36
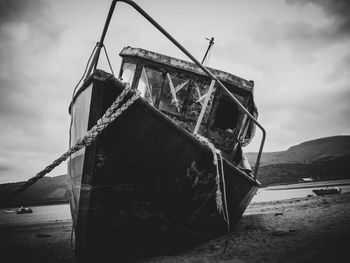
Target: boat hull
24	211
146	186
327	191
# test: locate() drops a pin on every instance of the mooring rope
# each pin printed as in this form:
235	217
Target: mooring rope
111	114
222	208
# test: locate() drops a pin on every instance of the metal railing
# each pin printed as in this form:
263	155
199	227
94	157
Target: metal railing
188	54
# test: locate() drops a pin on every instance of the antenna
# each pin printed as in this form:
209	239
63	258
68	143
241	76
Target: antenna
211	43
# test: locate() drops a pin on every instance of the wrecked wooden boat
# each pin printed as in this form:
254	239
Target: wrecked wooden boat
169	172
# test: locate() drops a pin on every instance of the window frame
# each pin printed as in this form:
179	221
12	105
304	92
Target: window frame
193	77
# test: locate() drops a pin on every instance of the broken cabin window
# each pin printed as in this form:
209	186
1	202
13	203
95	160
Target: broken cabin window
226	115
173	94
128	72
150	84
199	91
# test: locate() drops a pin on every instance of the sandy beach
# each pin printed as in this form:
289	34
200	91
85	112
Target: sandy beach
313	229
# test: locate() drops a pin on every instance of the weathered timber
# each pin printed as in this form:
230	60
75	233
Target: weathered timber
146	186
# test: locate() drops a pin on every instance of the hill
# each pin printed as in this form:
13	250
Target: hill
307	152
321	169
324	159
48	190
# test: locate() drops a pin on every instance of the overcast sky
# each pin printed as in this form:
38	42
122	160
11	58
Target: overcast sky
296	51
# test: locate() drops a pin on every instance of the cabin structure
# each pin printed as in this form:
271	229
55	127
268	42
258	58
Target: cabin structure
179	88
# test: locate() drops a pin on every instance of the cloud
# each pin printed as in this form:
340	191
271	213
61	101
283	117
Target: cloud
341	71
29	37
4	168
311	116
298	34
319	115
13	11
27	32
310	33
26	25
337	10
301	70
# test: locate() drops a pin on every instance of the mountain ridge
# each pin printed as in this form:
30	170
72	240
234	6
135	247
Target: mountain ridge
307	152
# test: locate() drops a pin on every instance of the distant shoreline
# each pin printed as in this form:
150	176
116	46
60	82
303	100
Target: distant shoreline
308	185
34	203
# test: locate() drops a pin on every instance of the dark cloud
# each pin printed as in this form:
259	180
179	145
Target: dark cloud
337	10
15	11
29	37
33	16
27	19
307	36
26	32
298	35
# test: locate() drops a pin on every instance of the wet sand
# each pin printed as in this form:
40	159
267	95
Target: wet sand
314	229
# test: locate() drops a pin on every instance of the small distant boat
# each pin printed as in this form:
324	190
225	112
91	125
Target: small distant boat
8	211
24	210
306	180
327	191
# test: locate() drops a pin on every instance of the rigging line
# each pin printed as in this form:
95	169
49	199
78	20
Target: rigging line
109	63
86	67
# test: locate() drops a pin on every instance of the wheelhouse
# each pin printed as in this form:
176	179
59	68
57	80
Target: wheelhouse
179	88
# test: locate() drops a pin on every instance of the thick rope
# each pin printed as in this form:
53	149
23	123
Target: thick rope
219	173
111	114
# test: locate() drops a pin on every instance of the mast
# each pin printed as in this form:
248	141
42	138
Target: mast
211	43
96	56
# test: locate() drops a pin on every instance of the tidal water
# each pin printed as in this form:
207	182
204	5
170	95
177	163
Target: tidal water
40	214
282	192
61	212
